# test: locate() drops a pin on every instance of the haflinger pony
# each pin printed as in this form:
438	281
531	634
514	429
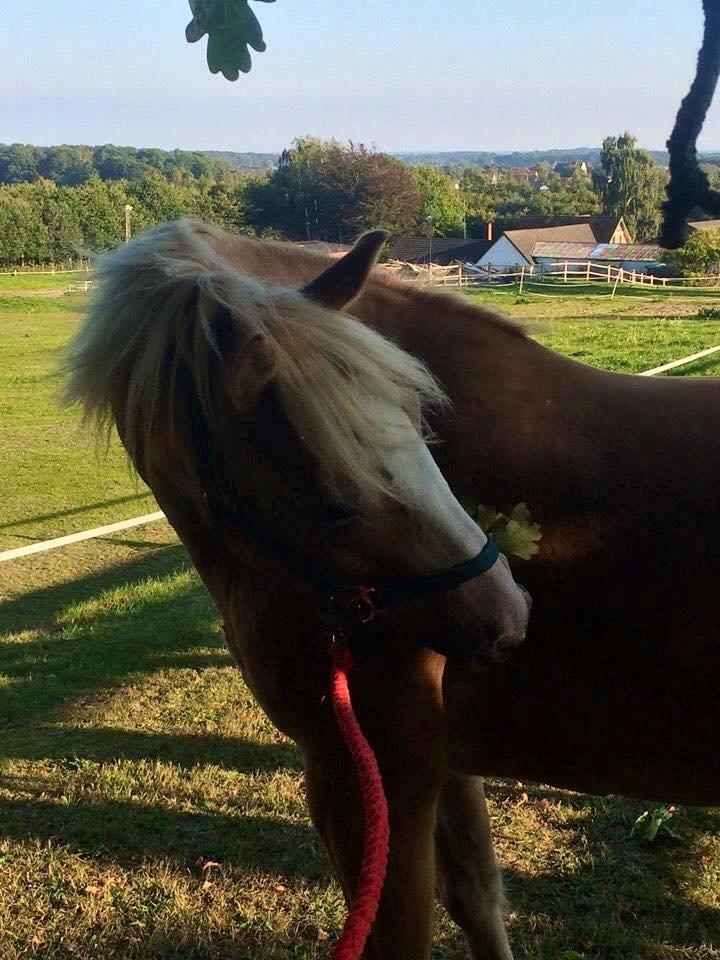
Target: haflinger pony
282	439
286	443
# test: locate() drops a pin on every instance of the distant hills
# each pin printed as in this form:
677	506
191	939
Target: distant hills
451	158
243	161
488	158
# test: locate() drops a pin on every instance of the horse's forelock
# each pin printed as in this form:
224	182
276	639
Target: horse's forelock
155	311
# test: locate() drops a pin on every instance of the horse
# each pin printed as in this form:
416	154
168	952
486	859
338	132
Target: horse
613	689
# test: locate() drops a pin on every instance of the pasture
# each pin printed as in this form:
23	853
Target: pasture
148	809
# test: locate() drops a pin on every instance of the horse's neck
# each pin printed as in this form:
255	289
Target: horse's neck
529	424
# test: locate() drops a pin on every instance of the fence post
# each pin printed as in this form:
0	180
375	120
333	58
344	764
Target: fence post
565	273
617	281
522	280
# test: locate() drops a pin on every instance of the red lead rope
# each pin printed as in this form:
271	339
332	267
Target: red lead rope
365	902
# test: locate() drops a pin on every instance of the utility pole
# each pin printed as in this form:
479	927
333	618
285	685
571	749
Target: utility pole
128	229
464	209
430	240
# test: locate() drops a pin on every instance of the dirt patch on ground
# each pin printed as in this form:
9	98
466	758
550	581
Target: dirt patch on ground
671	309
24	292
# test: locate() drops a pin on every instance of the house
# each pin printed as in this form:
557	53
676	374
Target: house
515	247
529	174
572	167
440	250
604	229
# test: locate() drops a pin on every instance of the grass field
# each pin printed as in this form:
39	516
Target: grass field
42	284
148	810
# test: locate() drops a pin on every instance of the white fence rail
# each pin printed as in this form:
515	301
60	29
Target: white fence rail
552	275
48	269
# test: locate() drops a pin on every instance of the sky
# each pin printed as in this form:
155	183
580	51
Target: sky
401	74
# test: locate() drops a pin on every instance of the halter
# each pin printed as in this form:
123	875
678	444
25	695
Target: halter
344	603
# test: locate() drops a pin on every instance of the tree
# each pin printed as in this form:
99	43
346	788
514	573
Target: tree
631	185
18	163
100	209
325	190
442	204
156	200
699	256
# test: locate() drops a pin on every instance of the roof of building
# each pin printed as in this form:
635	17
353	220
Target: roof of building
563	250
603	228
444	249
524	240
568	167
704	224
627	252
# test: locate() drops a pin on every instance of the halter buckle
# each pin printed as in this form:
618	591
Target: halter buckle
353	606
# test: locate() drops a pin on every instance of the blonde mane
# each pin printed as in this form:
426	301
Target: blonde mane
153	314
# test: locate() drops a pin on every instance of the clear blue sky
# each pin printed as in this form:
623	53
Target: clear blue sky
404	74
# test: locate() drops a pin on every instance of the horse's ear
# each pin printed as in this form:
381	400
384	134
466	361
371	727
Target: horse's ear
343	281
251	371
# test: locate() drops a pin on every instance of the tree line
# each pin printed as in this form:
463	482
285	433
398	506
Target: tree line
70	166
320	190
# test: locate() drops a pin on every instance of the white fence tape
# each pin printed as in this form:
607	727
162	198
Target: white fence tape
679	363
79	537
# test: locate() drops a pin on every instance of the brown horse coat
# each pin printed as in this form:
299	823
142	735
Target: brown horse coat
616	689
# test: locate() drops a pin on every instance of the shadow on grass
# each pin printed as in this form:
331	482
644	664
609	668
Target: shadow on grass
85	508
107	744
41	608
158	616
131	635
607	893
125	832
606	913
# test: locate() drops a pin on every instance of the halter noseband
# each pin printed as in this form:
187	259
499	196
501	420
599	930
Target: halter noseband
361	600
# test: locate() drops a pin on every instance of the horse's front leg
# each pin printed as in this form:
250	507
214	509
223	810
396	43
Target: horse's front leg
412	764
403	927
468	875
